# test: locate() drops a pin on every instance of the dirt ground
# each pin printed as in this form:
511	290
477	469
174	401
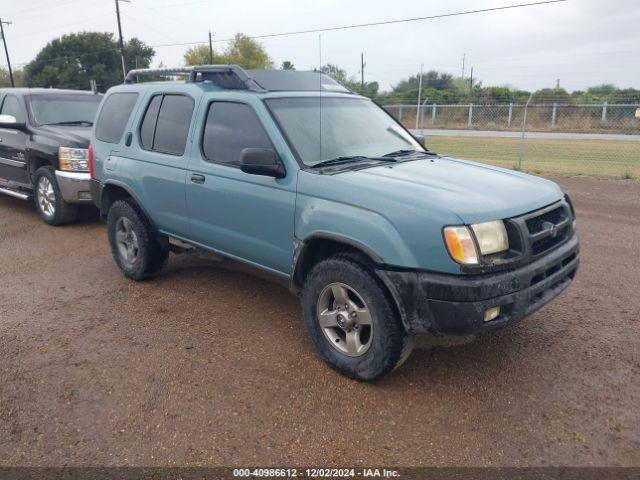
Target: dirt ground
209	364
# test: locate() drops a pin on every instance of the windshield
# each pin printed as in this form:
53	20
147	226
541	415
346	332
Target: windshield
351	127
67	109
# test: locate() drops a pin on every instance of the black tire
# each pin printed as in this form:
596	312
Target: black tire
390	343
63	212
152	248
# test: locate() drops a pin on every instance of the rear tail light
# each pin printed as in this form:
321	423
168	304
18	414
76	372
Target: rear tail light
92	172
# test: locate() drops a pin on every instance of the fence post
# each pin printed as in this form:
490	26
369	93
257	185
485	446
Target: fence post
554	115
470	114
400	114
510	114
604	111
524	130
433	114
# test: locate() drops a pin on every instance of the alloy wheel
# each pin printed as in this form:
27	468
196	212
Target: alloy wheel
345	319
127	241
46	197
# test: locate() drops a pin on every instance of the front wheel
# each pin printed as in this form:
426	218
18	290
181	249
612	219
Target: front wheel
351	319
136	246
49	202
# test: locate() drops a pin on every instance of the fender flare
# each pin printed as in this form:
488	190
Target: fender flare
122	186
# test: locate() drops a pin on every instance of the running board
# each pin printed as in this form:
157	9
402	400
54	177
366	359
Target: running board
13	193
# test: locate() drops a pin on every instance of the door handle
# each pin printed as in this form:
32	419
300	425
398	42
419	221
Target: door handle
195	178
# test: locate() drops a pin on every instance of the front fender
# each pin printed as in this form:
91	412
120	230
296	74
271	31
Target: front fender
366	229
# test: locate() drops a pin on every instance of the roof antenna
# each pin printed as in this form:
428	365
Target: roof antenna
320	89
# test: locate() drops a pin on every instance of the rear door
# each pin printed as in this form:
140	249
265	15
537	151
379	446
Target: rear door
161	159
13	144
249	217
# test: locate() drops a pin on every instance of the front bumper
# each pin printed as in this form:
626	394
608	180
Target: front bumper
455	304
74	186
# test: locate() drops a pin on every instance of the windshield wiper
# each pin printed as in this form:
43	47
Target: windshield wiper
405	152
351	159
72	123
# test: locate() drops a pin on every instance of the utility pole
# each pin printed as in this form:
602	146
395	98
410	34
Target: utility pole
6	51
558	83
210	49
121	43
464	57
362	65
471	81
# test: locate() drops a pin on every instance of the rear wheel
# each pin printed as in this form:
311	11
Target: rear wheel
48	198
136	246
351	319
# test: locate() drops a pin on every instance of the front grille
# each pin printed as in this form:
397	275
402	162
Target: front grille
548	228
536	224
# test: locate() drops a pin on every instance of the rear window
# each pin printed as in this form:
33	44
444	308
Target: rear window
114	116
173	124
166	124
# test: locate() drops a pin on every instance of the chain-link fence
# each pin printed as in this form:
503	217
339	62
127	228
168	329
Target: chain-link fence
586	139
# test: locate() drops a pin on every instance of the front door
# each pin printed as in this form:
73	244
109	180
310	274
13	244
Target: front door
13	144
249	217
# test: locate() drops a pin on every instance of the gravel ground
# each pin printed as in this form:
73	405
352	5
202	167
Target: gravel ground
209	365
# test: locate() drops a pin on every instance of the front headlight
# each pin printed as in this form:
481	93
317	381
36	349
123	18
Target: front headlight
73	159
491	237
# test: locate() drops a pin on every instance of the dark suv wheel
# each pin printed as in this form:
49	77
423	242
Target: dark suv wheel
136	246
49	202
351	319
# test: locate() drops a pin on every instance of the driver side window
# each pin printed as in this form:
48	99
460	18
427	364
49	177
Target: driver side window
11	106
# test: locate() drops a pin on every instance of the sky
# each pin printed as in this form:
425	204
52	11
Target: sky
581	43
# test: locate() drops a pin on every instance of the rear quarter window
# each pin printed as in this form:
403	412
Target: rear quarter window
114	116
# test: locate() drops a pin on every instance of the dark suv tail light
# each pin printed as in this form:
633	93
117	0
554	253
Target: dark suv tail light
92	172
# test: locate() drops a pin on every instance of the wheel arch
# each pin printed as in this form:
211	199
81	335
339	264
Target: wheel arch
113	191
321	245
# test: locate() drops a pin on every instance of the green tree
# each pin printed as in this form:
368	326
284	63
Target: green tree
200	56
287	65
73	60
551	95
248	53
338	74
5	79
137	54
242	50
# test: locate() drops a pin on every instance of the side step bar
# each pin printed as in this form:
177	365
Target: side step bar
13	193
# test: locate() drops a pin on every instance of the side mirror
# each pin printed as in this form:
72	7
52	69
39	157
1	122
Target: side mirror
9	121
420	140
261	161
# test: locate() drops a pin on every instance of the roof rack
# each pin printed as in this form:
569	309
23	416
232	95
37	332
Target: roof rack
231	77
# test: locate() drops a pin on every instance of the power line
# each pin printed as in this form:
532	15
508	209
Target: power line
374	24
361	25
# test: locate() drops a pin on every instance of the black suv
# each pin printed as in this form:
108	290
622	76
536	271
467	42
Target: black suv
44	140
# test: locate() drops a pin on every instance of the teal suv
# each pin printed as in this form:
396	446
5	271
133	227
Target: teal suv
292	173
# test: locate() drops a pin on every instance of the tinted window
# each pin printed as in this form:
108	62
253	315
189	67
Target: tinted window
114	116
173	124
148	126
230	128
64	109
11	106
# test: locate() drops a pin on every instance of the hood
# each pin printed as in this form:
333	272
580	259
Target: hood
67	136
474	192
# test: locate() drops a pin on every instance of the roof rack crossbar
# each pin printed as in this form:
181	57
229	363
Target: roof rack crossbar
196	72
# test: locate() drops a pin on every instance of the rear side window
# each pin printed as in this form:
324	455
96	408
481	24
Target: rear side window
11	106
230	128
166	124
114	116
148	126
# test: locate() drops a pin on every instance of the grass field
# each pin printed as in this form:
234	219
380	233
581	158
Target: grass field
597	158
